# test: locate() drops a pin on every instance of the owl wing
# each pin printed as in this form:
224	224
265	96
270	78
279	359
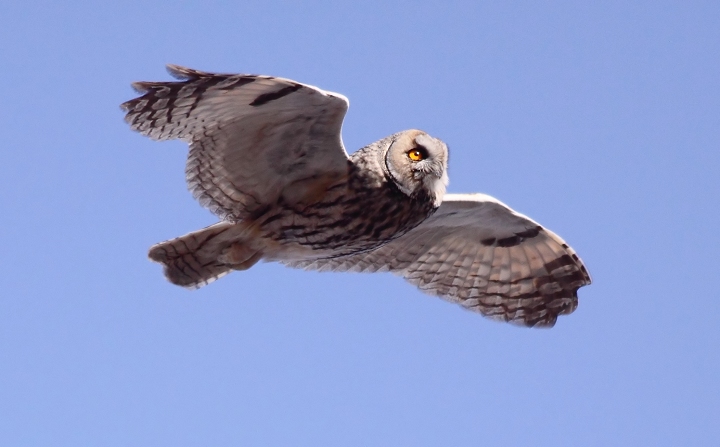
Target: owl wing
477	252
252	138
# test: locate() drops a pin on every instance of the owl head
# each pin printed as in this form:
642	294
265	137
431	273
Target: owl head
415	161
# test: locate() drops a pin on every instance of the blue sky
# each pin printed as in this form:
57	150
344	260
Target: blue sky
601	121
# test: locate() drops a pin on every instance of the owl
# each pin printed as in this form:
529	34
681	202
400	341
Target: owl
266	156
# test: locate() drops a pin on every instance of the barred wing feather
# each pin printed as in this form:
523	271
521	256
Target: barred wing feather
479	253
252	138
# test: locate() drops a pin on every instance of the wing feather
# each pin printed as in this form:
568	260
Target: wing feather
479	253
252	138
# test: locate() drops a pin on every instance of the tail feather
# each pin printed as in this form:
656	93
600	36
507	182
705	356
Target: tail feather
192	261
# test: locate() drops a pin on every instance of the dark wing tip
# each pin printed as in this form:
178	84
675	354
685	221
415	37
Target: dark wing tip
586	274
543	314
127	105
141	87
543	323
183	73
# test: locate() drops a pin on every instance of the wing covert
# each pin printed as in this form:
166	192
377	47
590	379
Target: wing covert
251	137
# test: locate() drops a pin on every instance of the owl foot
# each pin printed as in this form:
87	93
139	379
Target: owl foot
240	256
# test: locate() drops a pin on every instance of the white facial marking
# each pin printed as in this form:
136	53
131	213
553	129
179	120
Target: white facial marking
437	186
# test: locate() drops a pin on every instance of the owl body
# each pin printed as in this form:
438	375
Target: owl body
361	214
266	157
356	212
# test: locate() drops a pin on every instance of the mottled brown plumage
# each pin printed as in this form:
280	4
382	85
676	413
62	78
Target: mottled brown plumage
266	156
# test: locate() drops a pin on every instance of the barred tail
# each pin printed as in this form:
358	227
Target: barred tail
193	260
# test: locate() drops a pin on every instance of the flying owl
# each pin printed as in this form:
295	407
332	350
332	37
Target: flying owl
266	156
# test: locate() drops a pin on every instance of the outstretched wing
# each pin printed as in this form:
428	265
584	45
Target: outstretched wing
477	252
252	138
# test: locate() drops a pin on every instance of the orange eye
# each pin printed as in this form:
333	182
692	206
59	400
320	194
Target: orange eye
416	155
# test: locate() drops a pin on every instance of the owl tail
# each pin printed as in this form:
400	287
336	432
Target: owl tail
201	257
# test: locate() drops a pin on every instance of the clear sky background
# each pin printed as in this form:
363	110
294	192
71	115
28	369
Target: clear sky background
600	121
